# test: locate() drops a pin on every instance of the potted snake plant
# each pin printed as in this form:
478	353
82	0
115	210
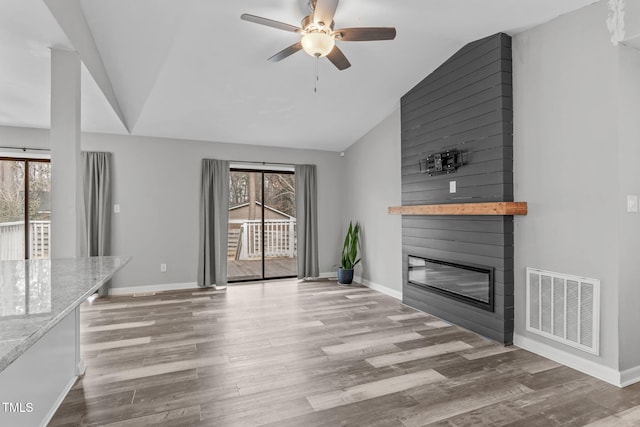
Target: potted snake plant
349	257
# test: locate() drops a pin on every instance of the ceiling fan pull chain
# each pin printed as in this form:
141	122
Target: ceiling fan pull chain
315	86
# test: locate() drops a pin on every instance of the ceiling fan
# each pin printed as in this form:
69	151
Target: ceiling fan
318	36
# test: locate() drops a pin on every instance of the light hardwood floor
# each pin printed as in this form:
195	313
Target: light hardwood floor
315	354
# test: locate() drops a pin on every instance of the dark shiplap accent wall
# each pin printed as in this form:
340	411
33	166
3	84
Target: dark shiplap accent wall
465	104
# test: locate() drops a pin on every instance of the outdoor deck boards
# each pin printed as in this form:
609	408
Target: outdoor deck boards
252	269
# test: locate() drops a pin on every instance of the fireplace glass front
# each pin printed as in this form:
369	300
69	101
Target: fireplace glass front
472	284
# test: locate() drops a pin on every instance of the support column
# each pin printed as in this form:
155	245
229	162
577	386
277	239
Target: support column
66	180
66	176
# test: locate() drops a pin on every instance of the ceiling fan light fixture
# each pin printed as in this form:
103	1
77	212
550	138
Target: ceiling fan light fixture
318	43
318	37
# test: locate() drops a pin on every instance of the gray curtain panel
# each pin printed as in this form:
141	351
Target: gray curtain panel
214	223
307	219
97	207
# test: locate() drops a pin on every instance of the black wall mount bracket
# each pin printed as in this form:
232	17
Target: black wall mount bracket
440	163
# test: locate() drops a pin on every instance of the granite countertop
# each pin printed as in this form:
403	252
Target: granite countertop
36	294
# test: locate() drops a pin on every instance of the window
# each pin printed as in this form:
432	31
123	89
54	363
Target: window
25	208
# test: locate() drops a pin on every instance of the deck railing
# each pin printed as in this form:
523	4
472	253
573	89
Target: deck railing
12	239
279	239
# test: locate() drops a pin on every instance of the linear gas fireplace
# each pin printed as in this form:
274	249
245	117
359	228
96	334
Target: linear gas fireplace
468	283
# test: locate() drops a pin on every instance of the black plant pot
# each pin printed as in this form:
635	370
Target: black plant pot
345	276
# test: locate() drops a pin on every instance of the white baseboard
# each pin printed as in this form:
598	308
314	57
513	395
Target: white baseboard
369	284
630	376
380	288
152	288
58	402
585	366
81	368
329	275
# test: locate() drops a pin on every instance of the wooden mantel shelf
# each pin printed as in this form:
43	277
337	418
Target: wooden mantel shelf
494	208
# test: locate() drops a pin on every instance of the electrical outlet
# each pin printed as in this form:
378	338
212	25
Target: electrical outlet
452	186
116	208
163	268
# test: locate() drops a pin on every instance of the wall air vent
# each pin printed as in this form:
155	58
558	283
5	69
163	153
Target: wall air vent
564	308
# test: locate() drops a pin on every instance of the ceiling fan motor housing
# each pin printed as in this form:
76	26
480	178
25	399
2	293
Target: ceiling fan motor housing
309	25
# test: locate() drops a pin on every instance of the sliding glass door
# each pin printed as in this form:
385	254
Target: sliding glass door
262	225
25	208
279	229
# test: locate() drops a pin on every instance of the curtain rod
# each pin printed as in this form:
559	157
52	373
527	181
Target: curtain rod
24	148
261	163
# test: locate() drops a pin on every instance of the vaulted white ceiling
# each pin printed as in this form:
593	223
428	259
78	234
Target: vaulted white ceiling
192	69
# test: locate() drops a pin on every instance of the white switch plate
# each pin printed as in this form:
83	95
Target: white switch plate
452	186
116	208
632	203
163	268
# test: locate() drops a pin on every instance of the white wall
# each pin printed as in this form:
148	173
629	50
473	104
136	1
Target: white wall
157	183
565	158
577	145
629	224
23	137
373	183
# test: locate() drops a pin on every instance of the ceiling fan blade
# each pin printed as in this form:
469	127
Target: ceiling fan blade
286	52
365	34
270	23
324	11
338	59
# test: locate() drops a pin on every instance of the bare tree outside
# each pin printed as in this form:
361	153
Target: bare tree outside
279	190
14	175
39	190
253	197
11	191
